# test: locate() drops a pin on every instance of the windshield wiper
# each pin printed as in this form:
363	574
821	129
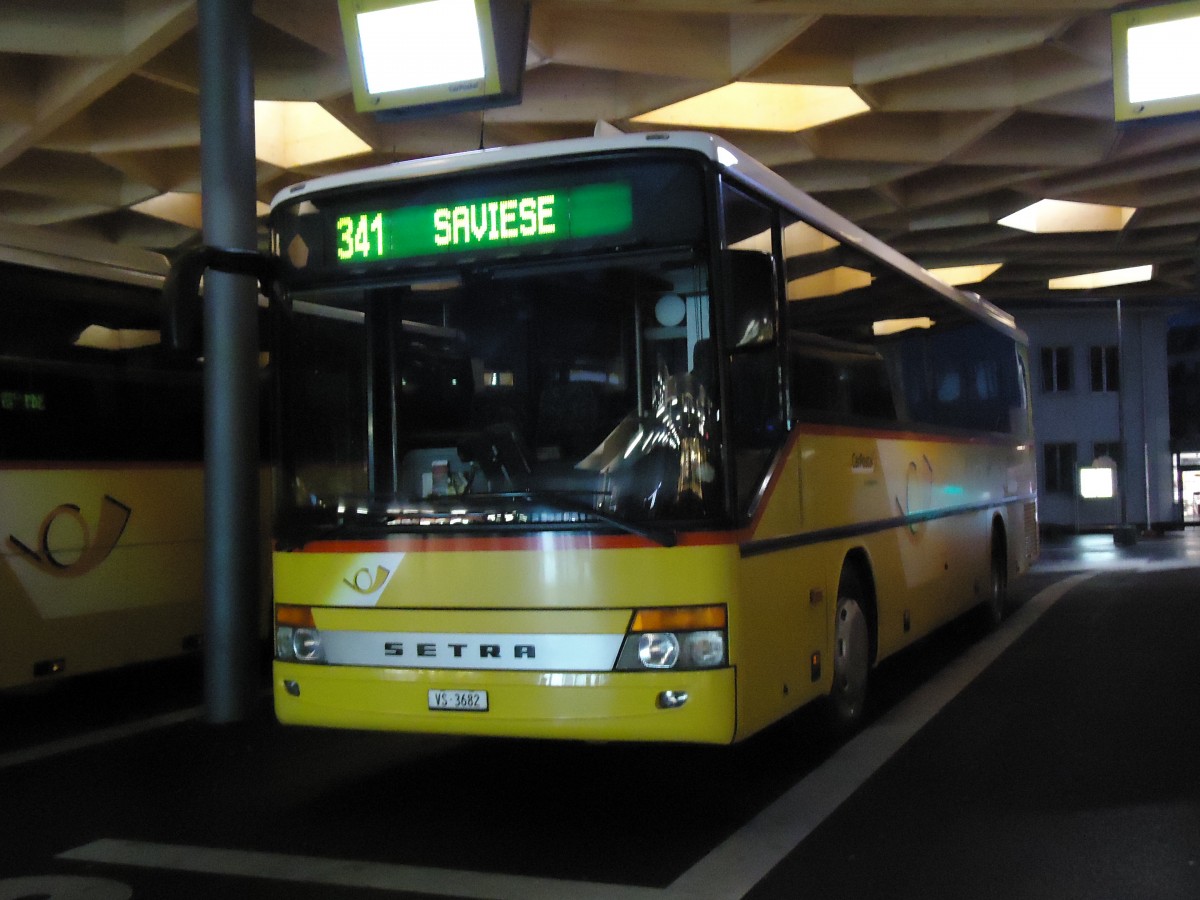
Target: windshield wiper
564	501
351	520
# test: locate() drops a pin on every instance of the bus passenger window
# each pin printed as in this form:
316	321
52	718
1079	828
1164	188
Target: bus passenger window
949	388
814	385
871	389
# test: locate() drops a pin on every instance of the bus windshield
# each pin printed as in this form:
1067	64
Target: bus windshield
502	396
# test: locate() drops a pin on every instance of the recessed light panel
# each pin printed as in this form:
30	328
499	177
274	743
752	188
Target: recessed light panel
1053	216
1093	280
956	275
290	134
761	107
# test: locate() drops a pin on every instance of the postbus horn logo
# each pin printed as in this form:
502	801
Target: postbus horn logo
114	515
365	583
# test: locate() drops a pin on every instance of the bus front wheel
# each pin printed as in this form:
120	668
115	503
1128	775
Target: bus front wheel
995	604
851	655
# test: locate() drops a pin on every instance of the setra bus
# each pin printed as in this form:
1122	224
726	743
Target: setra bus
101	498
623	439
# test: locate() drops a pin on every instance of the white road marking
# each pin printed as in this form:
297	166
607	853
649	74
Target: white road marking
95	738
346	872
747	856
726	873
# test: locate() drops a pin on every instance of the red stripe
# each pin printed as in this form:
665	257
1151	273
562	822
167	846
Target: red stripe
546	540
76	465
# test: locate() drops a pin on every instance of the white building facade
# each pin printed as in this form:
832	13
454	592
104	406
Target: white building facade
1099	375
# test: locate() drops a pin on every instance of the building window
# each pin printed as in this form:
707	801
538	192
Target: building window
1111	449
1106	369
1058	468
1056	369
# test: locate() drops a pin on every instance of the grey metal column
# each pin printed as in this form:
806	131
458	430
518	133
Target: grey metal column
1126	534
231	487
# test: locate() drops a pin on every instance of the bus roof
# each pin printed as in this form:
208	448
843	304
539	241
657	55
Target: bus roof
733	161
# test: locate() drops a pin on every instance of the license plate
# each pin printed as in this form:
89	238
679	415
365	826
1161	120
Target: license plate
462	701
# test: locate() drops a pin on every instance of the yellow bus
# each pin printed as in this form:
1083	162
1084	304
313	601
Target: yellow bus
101	488
623	438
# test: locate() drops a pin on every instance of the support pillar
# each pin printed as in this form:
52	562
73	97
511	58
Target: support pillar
231	455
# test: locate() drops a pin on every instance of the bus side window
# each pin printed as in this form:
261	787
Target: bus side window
829	381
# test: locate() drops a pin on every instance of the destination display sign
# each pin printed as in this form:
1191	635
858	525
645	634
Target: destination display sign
496	222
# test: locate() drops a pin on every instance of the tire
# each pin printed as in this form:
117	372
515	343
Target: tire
995	605
851	655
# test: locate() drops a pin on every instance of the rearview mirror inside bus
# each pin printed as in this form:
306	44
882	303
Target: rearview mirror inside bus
750	313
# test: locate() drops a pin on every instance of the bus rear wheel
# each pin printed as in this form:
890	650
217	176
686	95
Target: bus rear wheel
851	655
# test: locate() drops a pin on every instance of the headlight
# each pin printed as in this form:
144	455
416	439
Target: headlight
658	651
675	638
297	638
306	645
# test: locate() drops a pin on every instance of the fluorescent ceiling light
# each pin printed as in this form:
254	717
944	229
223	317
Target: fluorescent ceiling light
101	337
801	239
1156	71
1162	60
1093	280
825	284
291	134
760	242
956	275
1048	216
895	326
761	107
414	46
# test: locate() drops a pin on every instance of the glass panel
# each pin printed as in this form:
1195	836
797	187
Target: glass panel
83	375
1063	371
327	392
506	395
866	343
755	406
752	307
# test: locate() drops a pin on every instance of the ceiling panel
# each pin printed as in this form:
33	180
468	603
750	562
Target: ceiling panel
975	110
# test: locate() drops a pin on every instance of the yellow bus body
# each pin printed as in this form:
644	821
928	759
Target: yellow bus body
916	511
102	565
80	595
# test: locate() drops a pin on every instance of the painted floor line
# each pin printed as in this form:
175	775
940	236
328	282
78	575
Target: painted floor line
347	873
727	873
95	738
745	858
